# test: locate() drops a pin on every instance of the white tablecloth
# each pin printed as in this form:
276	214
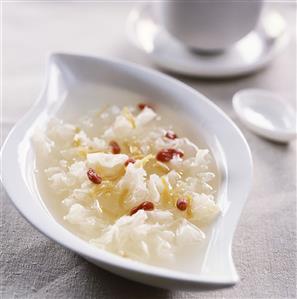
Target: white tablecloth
33	266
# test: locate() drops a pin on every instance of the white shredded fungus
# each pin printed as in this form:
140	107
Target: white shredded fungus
149	236
112	212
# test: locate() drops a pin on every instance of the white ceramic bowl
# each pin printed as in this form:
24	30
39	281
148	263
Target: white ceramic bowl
87	77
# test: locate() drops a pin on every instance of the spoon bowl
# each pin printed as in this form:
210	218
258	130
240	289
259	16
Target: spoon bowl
266	114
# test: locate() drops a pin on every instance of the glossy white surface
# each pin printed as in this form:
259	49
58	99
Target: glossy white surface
66	73
266	114
249	54
208	25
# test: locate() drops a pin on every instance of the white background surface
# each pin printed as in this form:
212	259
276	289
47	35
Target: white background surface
265	242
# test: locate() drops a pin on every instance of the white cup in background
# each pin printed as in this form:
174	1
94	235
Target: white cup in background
211	25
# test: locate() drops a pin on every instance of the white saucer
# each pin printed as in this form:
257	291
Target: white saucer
248	55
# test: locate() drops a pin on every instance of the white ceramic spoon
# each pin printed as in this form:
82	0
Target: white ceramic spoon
266	114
